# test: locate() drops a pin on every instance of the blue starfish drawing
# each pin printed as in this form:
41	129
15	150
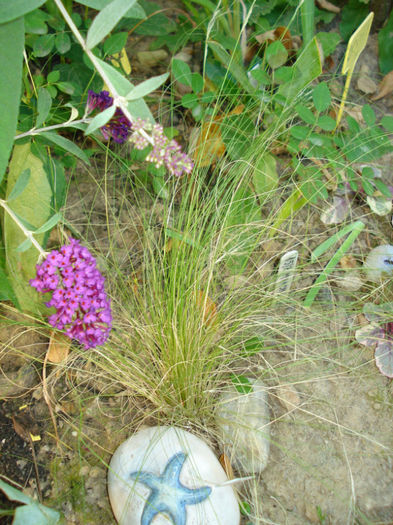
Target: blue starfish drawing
167	494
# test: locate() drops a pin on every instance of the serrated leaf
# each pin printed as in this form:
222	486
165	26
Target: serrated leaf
65	144
17	8
11	60
146	87
181	72
34	205
321	97
44	103
106	20
101	119
19	185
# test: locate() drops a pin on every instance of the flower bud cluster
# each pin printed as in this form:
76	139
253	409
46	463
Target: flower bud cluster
164	151
78	295
119	127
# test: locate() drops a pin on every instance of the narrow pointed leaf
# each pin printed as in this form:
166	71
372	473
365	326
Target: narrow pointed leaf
44	103
11	59
101	119
65	144
20	185
24	246
48	225
146	87
106	20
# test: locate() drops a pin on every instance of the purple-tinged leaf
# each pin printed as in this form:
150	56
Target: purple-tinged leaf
384	358
336	212
369	335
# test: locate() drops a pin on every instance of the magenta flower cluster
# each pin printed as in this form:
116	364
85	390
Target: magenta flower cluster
78	295
119	127
165	151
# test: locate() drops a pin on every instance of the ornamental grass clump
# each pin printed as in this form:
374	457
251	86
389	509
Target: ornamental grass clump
78	294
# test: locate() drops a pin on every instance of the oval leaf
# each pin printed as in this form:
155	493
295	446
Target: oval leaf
17	8
101	119
146	87
384	358
44	103
106	20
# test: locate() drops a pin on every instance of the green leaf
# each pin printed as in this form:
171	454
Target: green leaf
49	224
106	20
34	205
321	97
146	87
115	43
14	494
306	114
134	12
307	67
197	82
300	132
387	123
381	186
65	144
242	384
53	76
326	123
6	291
385	46
328	41
231	65
24	246
352	15
368	115
190	100
35	22
101	119
66	87
63	43
19	185
276	54
43	45
17	8
265	176
137	108
181	72
11	60
44	103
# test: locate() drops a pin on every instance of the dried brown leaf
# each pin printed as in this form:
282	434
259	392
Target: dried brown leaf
385	87
328	6
59	346
226	465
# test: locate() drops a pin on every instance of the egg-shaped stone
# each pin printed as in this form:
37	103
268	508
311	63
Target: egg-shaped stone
244	424
166	476
379	263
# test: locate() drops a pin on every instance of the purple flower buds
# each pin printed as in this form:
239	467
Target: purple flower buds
119	126
78	294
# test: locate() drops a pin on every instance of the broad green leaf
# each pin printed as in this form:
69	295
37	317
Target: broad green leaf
14	494
307	68
305	114
134	12
115	43
321	97
242	384
181	72
53	76
44	103
65	144
63	43
265	176
36	514
20	185
101	119
146	87
387	123
66	87
11	60
276	55
368	115
49	224
106	20
34	205
17	8
197	82
35	22
328	41
190	100
137	108
43	45
326	123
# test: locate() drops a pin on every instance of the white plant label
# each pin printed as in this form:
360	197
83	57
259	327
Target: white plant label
286	272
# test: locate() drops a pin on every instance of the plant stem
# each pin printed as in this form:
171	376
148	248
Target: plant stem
37	131
118	101
26	232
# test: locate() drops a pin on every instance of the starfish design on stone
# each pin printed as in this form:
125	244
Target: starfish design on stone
167	494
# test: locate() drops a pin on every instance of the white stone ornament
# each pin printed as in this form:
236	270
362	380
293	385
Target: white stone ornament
167	476
243	421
